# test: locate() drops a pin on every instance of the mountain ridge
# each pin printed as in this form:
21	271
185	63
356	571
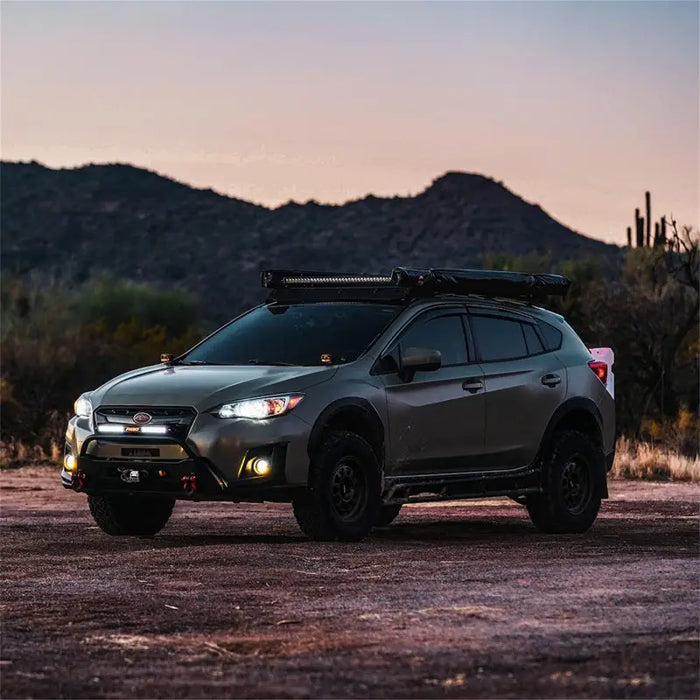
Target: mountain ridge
71	223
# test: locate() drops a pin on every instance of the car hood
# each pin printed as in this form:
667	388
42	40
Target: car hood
204	387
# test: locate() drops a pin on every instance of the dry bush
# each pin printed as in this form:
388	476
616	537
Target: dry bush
15	454
644	460
677	435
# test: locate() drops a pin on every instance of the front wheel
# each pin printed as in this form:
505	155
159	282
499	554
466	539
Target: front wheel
342	498
573	484
141	516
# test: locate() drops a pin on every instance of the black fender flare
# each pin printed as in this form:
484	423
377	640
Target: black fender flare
358	403
576	403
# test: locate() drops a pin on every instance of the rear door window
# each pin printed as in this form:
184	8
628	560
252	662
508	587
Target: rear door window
498	338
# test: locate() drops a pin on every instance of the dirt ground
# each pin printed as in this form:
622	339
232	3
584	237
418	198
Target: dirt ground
453	600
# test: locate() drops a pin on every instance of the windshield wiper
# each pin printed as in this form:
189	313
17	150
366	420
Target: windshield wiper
197	362
273	364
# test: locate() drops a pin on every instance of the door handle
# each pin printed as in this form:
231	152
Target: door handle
551	379
472	385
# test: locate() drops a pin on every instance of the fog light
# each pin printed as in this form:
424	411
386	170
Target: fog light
70	463
261	466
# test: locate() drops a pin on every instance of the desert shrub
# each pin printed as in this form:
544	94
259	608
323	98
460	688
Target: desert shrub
680	434
644	460
57	343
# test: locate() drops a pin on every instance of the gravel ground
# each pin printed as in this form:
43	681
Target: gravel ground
453	600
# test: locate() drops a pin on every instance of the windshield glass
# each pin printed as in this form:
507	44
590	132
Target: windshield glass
304	334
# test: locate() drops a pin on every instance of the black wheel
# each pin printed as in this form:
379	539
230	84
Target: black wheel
573	483
387	515
131	515
342	498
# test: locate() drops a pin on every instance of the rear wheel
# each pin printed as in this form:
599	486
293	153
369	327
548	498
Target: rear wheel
342	499
573	483
142	516
387	515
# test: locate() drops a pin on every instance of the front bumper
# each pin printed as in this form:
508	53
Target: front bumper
213	462
189	479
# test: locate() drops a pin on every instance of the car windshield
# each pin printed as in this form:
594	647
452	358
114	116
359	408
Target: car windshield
304	334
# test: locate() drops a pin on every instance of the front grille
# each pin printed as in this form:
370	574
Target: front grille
177	419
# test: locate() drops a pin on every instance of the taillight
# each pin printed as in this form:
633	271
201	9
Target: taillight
600	369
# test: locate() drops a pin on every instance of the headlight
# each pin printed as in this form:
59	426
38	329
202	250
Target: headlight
260	408
83	407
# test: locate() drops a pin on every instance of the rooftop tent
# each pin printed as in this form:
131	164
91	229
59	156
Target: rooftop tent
511	285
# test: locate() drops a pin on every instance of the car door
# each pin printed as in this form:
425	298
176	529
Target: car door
436	420
524	385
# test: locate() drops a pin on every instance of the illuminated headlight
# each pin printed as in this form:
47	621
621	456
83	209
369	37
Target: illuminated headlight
258	409
83	407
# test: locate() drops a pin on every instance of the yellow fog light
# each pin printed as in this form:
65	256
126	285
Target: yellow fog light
261	466
70	463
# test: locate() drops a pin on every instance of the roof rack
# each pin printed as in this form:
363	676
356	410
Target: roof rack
405	283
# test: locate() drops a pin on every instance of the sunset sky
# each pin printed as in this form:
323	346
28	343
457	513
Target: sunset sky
580	107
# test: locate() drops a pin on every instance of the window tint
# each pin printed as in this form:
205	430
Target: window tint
534	344
498	338
444	333
552	336
304	334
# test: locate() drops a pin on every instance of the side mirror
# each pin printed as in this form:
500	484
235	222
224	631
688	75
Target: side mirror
413	360
166	358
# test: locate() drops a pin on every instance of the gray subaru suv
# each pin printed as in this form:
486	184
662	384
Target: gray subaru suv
351	395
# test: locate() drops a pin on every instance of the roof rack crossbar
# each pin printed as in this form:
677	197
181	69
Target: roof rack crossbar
425	282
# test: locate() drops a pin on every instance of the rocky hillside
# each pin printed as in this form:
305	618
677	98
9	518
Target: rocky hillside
70	224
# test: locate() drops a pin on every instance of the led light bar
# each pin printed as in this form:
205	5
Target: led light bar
112	429
276	279
357	279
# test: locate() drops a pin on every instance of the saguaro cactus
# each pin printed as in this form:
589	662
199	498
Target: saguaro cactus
642	235
639	226
647	197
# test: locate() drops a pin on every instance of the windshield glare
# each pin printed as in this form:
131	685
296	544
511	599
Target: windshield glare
304	334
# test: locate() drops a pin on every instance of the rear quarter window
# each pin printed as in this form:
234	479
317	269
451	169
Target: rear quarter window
551	335
534	344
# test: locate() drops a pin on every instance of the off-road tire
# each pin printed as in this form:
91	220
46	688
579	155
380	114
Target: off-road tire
573	484
141	516
387	515
344	476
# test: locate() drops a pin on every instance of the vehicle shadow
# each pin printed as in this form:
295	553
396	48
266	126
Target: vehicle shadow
425	532
502	531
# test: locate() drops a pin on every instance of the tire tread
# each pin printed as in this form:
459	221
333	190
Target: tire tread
544	508
313	515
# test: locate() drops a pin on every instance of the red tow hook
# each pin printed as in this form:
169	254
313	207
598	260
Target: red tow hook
80	480
189	484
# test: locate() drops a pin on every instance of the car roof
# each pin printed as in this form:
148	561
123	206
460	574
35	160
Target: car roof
435	301
490	304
